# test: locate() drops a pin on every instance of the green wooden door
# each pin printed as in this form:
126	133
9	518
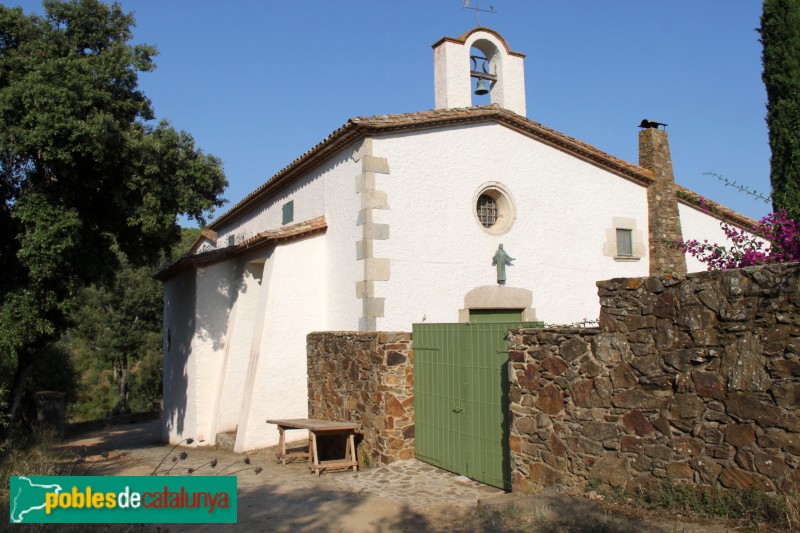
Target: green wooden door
461	398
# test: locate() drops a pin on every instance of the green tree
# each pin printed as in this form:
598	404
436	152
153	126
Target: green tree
116	339
780	36
82	172
122	322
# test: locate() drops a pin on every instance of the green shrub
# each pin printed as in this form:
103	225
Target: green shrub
751	506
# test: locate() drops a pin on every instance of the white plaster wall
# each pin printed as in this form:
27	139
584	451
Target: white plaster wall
342	204
451	76
695	224
178	386
242	325
329	190
215	295
439	251
255	350
308	194
295	305
206	246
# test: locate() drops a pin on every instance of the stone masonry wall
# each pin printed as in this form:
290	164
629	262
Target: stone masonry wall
366	378
694	378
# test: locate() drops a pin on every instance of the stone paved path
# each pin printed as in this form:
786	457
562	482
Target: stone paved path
416	483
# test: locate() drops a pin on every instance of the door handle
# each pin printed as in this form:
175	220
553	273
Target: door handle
457	409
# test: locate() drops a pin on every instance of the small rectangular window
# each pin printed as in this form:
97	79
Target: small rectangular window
624	243
288	212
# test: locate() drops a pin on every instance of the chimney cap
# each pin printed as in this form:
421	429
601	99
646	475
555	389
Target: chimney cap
645	124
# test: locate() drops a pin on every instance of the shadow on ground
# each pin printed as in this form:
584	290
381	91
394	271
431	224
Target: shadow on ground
287	498
120	438
272	508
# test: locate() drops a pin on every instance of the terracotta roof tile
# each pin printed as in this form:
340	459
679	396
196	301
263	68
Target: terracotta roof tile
264	239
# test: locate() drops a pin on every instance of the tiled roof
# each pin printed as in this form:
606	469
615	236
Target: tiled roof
360	127
264	239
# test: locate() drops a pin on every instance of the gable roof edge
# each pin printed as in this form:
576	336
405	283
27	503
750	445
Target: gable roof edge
301	230
577	148
358	128
463	39
714	209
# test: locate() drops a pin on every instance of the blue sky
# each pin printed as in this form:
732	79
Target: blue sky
260	82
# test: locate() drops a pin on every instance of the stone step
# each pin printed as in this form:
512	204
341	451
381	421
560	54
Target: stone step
225	441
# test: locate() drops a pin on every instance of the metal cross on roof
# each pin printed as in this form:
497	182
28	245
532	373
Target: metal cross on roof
477	9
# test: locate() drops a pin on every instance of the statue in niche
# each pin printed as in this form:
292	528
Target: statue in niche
501	259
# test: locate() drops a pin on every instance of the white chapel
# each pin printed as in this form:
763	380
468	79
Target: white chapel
395	219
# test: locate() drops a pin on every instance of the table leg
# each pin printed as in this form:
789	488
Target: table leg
313	454
310	451
351	444
282	445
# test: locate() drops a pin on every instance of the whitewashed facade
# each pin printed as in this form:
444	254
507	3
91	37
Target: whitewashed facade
383	232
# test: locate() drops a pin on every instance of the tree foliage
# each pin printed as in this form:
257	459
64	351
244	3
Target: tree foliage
780	36
121	323
85	178
115	342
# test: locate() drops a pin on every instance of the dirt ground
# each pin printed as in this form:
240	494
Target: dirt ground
406	496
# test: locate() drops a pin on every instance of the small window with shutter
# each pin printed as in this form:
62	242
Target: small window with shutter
624	242
288	212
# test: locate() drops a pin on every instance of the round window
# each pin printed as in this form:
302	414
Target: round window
494	208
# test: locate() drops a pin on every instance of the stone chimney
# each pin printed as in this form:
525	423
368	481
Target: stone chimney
662	203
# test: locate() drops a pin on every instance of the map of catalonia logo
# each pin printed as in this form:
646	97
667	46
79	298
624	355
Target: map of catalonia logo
122	499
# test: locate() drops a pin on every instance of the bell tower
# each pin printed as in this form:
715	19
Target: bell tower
501	71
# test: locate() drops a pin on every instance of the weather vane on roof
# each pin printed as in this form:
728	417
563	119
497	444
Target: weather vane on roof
477	9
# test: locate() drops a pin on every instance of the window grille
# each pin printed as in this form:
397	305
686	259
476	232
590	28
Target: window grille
487	210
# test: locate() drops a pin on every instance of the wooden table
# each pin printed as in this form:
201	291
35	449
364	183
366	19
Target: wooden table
319	427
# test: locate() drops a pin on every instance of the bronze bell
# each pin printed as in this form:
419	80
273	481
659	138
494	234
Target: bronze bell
481	89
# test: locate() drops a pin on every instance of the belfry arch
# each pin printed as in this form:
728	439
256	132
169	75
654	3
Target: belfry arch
455	69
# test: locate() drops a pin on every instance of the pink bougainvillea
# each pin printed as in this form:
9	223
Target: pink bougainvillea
774	239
